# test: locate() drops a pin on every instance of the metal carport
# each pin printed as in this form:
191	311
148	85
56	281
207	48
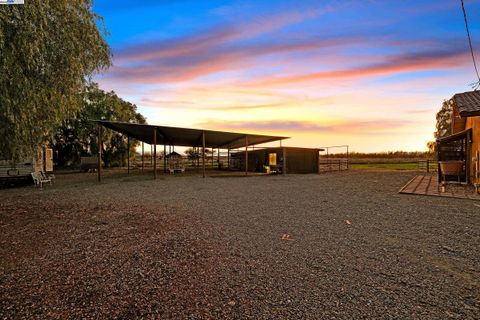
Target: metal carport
185	137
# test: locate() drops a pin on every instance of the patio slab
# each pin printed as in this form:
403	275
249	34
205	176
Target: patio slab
427	185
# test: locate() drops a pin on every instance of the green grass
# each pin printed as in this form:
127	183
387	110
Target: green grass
391	166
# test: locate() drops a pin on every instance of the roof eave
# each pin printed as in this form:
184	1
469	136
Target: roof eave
466	114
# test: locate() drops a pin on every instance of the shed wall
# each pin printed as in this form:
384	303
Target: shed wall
299	160
474	124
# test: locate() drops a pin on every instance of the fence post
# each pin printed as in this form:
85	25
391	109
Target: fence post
428	166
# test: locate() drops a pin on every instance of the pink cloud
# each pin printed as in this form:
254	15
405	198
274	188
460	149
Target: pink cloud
286	126
422	61
213	37
209	60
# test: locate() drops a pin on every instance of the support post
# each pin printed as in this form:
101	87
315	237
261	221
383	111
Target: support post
164	158
218	157
228	158
196	161
128	154
143	155
284	161
155	153
348	162
203	152
99	160
246	155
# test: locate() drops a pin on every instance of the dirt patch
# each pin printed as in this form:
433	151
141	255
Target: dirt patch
111	260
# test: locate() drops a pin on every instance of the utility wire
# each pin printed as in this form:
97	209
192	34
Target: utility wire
475	85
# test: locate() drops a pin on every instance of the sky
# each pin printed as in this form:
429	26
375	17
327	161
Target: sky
370	74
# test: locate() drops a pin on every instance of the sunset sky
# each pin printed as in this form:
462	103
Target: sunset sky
371	74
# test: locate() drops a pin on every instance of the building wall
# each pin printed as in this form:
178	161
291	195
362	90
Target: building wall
474	124
299	160
458	123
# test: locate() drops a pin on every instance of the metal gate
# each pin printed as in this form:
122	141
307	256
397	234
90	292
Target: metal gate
329	161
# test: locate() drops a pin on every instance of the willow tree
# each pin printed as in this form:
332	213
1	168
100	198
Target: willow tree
48	51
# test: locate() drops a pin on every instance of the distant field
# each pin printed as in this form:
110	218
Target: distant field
391	164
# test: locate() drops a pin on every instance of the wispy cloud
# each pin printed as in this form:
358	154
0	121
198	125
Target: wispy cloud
356	126
410	62
294	68
173	65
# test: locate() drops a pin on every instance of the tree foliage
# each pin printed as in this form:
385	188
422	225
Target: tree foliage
48	50
192	154
444	119
78	135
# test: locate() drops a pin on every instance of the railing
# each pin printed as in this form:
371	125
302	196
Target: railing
187	163
330	165
428	165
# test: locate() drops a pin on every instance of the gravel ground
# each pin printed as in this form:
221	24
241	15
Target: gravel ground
193	248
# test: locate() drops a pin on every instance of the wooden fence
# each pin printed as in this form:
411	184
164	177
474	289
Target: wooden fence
428	165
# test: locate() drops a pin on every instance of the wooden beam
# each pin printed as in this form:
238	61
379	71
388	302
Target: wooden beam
348	162
284	161
218	158
468	157
99	160
155	153
228	158
143	154
203	152
128	154
246	155
164	158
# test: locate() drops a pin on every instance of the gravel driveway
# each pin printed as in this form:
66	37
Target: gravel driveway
193	248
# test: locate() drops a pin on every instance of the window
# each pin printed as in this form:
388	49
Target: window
272	159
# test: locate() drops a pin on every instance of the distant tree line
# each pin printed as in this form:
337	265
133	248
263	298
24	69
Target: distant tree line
385	155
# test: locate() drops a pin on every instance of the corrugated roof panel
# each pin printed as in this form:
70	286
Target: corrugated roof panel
187	137
468	103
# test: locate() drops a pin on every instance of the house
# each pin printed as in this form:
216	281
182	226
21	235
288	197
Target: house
464	141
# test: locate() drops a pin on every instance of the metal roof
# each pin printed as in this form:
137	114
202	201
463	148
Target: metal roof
187	137
468	103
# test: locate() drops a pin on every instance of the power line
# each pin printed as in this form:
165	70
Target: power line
477	84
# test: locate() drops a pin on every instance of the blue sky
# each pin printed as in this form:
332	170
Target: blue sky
371	74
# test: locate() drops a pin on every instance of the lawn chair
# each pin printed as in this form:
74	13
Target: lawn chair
48	176
39	180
